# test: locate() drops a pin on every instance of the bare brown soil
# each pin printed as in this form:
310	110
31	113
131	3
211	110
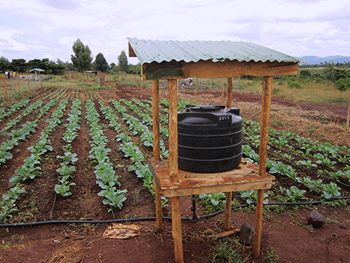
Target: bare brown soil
287	234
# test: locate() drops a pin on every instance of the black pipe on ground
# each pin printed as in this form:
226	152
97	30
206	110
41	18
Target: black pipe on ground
154	218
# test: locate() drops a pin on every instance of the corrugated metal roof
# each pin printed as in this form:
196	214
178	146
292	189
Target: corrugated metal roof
148	51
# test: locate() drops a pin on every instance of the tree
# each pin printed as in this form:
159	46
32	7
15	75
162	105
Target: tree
19	65
82	58
101	63
329	71
135	69
4	63
123	62
113	67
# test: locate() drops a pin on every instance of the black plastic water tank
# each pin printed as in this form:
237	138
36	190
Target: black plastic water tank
209	139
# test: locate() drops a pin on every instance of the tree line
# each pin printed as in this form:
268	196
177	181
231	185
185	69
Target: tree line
81	61
331	72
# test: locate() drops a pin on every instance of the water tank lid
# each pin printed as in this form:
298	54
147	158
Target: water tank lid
206	108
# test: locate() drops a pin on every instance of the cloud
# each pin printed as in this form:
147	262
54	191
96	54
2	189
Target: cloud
62	4
50	27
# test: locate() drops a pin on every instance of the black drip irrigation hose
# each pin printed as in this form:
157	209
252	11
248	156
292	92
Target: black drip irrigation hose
163	218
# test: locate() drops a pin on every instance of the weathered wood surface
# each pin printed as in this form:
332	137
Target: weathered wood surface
264	136
244	177
229	93
177	229
173	141
155	118
228	212
210	69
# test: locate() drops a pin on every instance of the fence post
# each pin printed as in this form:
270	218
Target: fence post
7	96
70	79
41	82
347	125
28	83
19	85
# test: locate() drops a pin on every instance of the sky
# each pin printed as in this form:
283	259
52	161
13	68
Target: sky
48	28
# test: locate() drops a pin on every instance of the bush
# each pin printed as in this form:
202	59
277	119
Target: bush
295	84
306	73
342	84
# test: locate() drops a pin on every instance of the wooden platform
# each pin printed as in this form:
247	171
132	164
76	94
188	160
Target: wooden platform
244	177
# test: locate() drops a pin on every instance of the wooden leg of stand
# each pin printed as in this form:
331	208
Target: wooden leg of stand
227	223
258	223
264	136
177	232
158	206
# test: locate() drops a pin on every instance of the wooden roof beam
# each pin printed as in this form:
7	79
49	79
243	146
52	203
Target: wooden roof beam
209	69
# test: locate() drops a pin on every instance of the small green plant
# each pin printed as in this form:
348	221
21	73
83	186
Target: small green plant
224	251
271	257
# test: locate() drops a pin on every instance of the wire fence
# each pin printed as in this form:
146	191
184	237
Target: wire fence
14	87
322	113
316	115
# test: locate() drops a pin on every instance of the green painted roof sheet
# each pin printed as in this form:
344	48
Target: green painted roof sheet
148	51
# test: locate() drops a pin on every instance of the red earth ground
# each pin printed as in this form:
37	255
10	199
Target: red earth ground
286	234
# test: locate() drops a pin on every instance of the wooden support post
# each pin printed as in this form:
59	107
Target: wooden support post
19	85
41	82
155	112
229	93
227	222
35	81
347	125
6	93
173	151
195	94
70	80
177	231
28	84
264	135
156	150
223	92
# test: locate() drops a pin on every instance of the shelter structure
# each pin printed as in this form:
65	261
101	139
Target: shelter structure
173	60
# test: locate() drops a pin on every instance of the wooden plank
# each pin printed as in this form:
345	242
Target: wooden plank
131	51
225	234
158	199
245	177
155	116
209	69
244	186
229	93
228	212
173	151
264	135
176	229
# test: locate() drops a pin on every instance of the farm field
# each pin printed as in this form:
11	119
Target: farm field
81	155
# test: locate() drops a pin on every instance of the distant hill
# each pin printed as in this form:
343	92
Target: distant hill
318	60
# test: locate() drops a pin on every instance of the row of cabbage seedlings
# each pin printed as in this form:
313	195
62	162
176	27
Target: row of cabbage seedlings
322	156
69	158
27	128
32	164
138	127
106	177
278	168
4	113
29	110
